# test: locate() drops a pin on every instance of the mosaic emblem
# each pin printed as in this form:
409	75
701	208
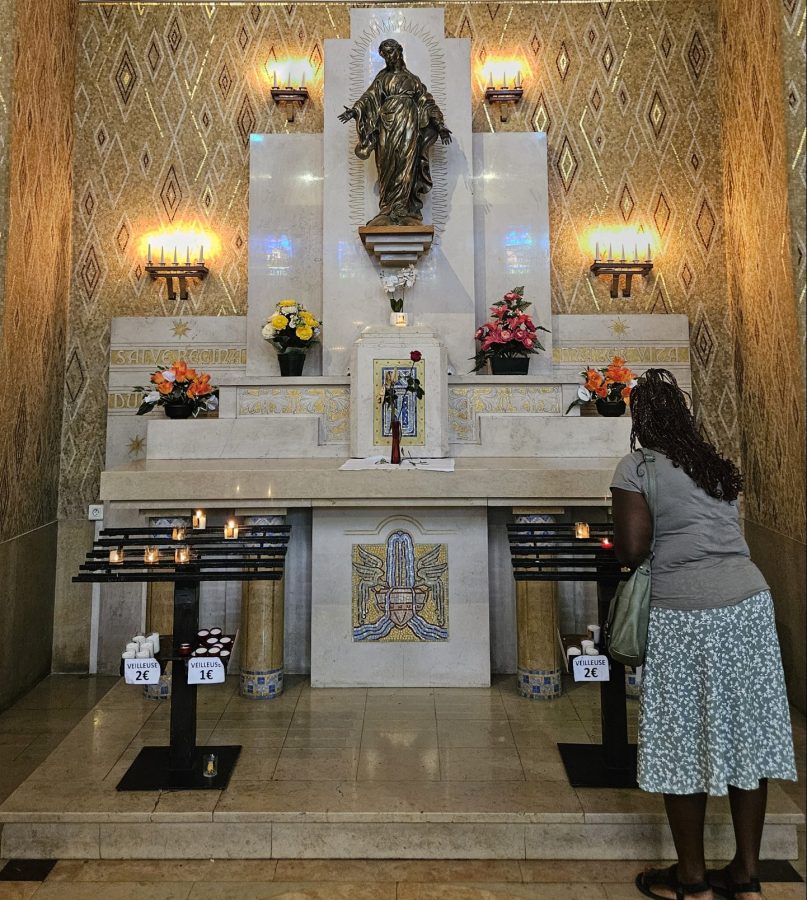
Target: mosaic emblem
400	590
411	413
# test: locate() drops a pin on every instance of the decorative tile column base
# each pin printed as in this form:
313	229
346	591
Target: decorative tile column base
261	685
161	690
539	684
633	682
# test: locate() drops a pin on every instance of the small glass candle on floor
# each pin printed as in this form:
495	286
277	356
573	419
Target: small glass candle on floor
151	556
199	520
581	530
210	765
116	556
231	530
182	556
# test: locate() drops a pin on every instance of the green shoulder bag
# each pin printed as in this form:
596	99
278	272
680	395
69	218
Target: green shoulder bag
629	613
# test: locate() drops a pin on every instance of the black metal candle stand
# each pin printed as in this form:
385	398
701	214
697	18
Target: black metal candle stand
257	553
551	552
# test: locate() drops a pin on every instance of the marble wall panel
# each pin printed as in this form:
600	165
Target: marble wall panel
167	96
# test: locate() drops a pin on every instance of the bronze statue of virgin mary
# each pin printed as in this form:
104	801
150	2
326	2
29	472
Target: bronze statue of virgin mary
397	118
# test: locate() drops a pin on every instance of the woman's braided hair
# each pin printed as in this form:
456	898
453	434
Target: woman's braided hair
663	421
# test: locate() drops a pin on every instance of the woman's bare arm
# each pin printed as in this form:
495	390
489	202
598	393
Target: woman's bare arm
633	527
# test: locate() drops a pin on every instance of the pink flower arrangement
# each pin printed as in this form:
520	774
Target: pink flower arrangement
510	331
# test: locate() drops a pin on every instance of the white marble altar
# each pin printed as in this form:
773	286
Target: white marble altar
462	659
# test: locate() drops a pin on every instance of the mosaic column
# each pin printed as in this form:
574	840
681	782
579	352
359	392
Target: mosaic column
261	635
539	664
160	612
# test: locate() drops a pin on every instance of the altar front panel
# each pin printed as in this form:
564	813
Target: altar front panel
400	599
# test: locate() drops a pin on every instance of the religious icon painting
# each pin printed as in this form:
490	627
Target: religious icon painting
400	590
411	412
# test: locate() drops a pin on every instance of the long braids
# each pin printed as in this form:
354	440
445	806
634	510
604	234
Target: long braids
662	421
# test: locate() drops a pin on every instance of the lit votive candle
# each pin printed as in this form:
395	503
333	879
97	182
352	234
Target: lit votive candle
581	530
182	555
178	534
606	544
230	530
199	519
116	556
151	556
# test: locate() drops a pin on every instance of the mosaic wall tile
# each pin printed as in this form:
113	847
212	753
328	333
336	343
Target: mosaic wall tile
167	94
768	381
36	141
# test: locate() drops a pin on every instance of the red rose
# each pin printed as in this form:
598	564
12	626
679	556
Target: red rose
416	356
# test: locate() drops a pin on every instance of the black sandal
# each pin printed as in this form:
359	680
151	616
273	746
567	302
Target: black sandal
730	889
668	878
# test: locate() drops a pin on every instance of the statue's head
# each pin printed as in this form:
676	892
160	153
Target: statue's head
391	51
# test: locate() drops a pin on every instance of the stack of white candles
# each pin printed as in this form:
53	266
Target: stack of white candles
200	261
142	646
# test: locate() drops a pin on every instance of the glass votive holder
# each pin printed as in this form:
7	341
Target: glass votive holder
607	544
116	556
210	765
231	530
182	556
582	530
199	521
178	534
151	556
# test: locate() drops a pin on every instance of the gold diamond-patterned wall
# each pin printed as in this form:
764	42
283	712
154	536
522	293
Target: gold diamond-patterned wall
769	378
38	143
167	95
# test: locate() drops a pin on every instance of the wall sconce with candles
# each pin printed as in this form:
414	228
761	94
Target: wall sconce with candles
504	95
616	268
176	270
289	96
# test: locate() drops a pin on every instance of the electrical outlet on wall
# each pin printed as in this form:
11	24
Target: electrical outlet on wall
95	512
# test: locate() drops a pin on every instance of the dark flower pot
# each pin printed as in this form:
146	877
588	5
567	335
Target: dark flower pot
178	410
612	409
510	365
291	363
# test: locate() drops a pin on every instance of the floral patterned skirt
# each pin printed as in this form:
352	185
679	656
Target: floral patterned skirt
713	707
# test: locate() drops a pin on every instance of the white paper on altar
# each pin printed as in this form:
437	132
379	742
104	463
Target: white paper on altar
381	462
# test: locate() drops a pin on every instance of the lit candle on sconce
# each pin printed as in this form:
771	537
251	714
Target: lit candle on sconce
597	252
636	253
116	556
187	255
623	253
182	556
175	254
606	544
202	254
199	520
148	255
649	254
162	256
610	254
151	556
231	530
518	78
178	534
582	530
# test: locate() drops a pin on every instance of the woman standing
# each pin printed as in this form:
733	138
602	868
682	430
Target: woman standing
713	716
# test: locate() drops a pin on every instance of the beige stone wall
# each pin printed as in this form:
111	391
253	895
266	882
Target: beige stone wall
37	87
769	377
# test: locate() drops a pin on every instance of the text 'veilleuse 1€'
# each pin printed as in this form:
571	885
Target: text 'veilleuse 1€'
141	671
205	671
590	668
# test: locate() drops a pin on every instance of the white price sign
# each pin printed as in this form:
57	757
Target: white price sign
205	671
590	668
141	671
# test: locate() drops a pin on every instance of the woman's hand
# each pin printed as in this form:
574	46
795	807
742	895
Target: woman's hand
445	135
348	114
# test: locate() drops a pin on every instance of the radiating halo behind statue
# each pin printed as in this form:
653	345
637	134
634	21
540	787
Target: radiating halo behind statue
398	119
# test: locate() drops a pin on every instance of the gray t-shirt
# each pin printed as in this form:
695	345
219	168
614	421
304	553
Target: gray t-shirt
701	558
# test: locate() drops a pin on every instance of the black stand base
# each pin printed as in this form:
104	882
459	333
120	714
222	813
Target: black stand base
150	771
585	767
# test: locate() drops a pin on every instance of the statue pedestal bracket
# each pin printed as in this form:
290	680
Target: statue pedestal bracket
395	246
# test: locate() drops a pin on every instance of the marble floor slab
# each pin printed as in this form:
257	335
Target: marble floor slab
420	772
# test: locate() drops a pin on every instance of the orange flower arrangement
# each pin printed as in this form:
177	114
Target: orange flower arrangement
612	384
181	385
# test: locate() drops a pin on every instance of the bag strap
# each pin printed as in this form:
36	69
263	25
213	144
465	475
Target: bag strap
651	496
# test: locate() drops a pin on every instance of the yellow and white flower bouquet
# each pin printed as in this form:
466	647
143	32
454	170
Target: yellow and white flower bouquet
293	330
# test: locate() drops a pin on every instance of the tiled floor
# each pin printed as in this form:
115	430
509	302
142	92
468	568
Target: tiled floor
351	750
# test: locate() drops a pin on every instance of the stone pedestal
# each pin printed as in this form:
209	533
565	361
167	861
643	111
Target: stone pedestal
424	422
539	663
395	246
261	640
